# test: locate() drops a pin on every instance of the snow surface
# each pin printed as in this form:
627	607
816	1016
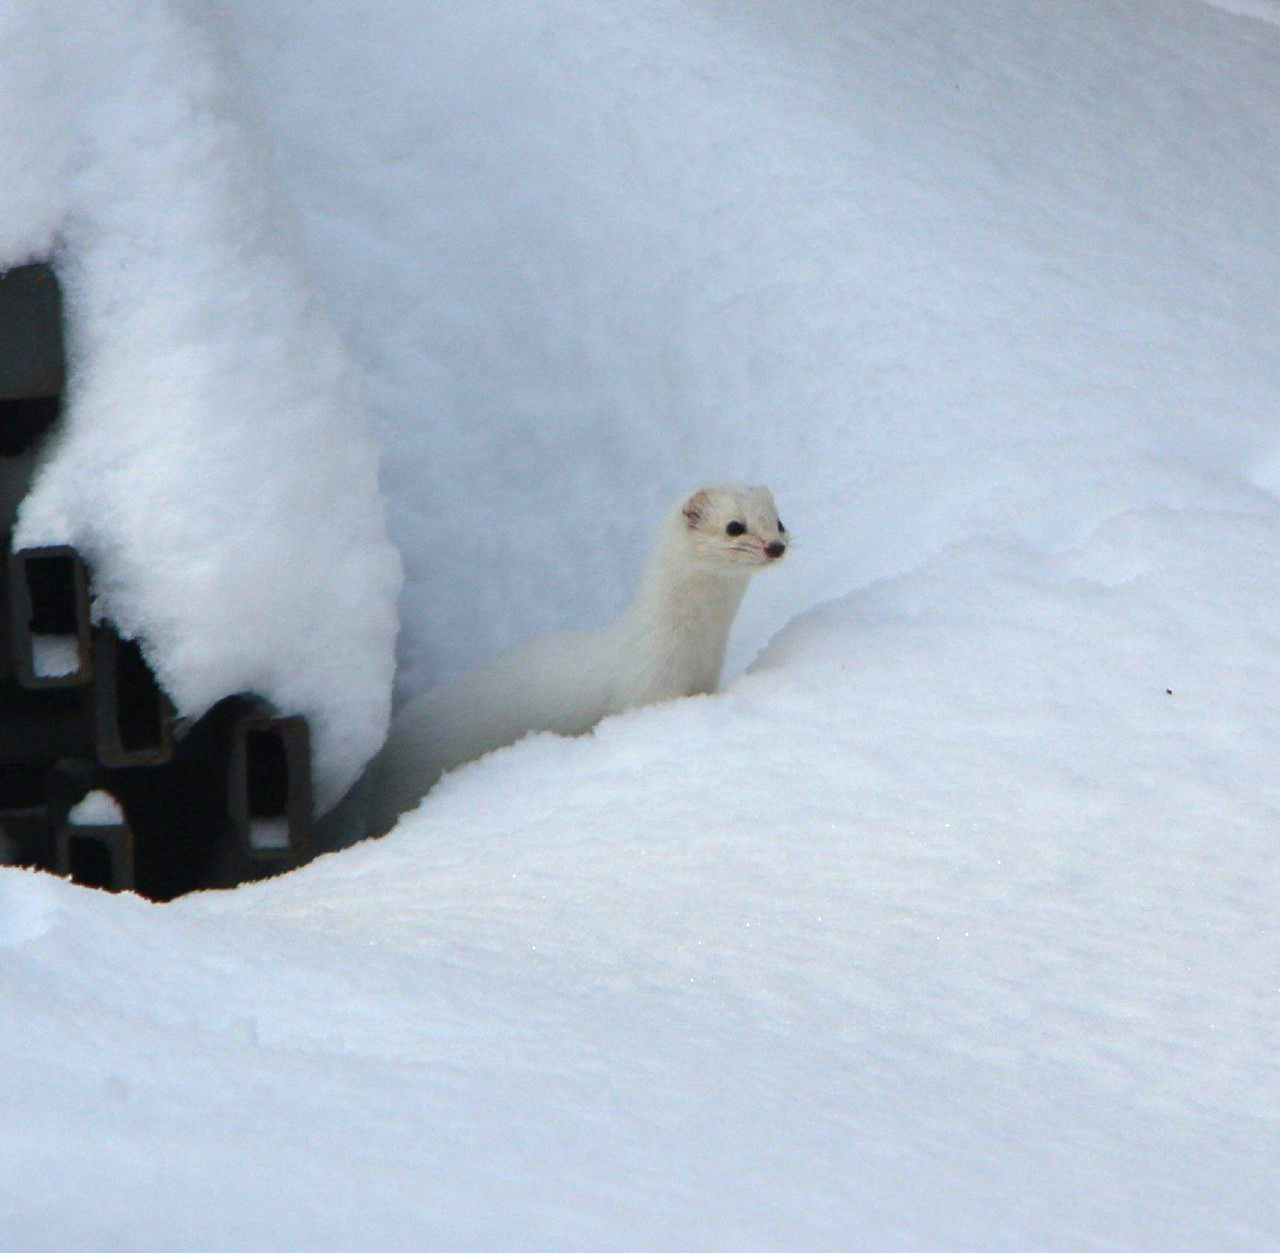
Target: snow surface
214	467
951	923
1264	10
96	809
269	833
54	656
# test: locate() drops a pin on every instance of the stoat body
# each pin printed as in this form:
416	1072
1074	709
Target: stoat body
670	642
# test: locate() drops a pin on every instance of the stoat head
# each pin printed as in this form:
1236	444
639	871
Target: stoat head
733	528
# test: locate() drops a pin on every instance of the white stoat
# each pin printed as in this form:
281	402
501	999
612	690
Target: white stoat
669	643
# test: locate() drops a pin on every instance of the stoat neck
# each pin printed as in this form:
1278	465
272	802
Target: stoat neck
684	605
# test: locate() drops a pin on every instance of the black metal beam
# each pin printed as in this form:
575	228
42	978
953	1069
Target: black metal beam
49	617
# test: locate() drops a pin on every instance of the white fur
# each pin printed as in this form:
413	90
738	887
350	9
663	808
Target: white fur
669	643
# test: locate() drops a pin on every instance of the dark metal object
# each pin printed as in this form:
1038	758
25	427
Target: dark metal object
32	356
133	718
97	855
49	617
213	803
25	825
94	853
38	728
269	786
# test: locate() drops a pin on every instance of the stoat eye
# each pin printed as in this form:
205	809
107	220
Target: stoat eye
782	530
735	528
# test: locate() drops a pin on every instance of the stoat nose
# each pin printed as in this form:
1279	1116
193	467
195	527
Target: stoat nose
775	550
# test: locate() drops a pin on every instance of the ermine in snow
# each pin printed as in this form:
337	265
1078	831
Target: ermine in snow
669	643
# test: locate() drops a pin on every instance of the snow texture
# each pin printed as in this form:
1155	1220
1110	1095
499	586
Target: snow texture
269	833
214	466
951	921
54	656
96	809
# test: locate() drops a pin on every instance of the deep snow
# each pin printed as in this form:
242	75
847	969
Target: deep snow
951	922
214	465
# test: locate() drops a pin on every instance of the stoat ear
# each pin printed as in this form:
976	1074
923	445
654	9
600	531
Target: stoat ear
695	508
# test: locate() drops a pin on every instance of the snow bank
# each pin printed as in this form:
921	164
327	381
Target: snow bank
214	466
929	271
990	923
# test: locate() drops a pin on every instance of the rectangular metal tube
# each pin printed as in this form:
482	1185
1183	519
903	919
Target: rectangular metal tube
32	354
49	617
269	788
133	718
97	856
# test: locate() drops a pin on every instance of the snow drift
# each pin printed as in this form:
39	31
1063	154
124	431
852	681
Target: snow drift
214	465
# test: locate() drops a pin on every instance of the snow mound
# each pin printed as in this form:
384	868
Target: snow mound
96	809
213	465
966	891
